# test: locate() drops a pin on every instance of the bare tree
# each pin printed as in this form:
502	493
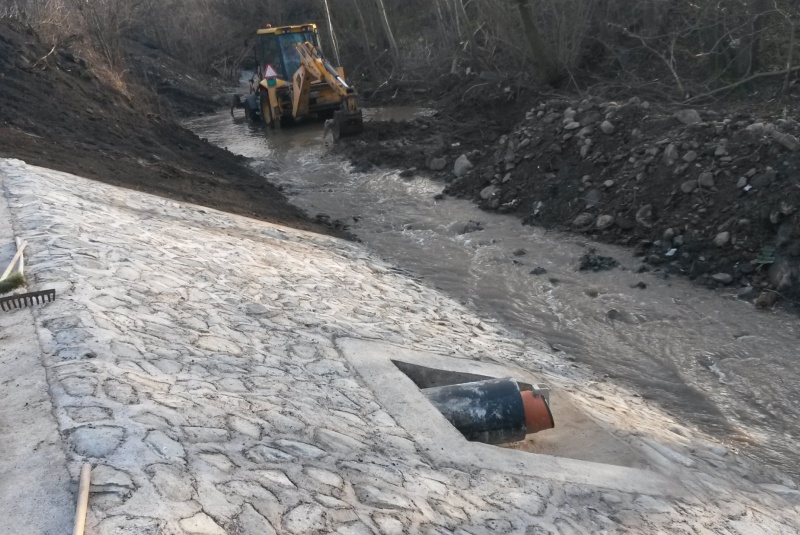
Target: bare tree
547	71
331	32
387	30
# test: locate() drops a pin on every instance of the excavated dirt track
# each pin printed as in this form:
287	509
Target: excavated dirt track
55	112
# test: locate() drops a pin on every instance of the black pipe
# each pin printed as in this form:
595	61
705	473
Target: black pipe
489	411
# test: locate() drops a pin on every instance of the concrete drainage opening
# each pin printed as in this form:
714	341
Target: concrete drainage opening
484	409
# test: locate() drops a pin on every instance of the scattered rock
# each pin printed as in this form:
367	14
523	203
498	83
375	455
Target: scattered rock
742	182
706	180
574	125
690	156
462	166
538	271
722	278
689	186
766	299
362	166
472	226
408	173
639	285
604	222
722	239
488	192
764	179
670	155
780	274
520	252
591	261
788	141
644	216
759	127
688	117
583	220
592	197
746	293
437	164
607	128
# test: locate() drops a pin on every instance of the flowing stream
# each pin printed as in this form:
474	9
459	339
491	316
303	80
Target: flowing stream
709	359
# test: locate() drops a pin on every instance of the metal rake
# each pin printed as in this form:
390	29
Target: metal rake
16	301
26	300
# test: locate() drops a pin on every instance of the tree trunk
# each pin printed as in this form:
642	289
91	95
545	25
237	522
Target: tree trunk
331	32
387	30
373	69
753	44
547	71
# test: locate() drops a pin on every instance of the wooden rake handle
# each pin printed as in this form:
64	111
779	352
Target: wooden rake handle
17	256
83	500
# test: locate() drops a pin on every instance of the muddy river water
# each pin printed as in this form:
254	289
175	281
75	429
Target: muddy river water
705	357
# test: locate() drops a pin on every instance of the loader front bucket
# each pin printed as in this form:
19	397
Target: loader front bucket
347	123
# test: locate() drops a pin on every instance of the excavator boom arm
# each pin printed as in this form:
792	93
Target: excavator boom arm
321	69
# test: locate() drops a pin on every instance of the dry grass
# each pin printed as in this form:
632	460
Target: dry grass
17	280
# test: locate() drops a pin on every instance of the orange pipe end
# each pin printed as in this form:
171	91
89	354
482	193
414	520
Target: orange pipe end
537	412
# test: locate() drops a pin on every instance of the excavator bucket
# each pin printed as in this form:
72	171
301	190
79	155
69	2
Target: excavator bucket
347	123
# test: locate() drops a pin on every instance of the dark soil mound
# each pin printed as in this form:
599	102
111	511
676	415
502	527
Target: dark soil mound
176	89
711	195
56	113
714	195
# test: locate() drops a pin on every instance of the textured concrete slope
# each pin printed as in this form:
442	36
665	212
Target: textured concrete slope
192	357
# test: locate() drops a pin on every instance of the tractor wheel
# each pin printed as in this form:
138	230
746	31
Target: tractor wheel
251	112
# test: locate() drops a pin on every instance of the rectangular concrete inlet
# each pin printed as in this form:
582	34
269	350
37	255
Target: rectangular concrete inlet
589	446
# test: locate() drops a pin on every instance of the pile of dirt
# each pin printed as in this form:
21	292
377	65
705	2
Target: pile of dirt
176	88
55	112
467	113
710	194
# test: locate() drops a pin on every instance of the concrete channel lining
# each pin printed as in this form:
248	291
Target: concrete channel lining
444	445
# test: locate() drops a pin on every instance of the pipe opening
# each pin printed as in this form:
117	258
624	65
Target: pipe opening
484	409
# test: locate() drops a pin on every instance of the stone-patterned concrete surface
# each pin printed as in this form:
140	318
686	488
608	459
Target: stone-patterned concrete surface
191	358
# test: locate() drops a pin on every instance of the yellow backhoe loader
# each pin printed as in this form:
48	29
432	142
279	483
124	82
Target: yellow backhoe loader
293	80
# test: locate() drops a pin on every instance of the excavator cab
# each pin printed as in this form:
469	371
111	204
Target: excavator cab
295	81
280	49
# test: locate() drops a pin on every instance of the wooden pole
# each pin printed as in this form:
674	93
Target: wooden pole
21	267
7	272
83	500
